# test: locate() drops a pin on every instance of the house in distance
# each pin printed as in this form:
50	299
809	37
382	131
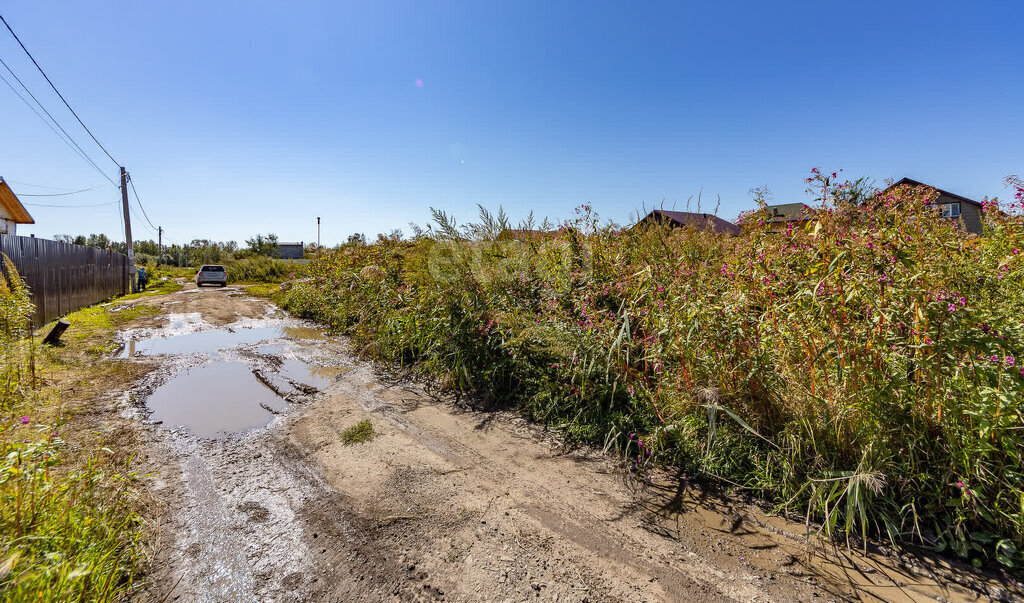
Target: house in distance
784	215
678	219
289	251
12	212
951	205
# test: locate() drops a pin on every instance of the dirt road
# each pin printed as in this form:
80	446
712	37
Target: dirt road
262	500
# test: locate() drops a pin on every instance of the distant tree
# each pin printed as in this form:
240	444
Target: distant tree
357	239
99	241
146	247
263	245
394	235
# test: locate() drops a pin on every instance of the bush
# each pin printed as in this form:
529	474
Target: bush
261	269
862	369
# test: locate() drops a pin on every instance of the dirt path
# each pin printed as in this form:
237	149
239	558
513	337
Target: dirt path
442	504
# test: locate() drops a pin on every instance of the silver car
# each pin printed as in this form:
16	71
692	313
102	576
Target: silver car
212	274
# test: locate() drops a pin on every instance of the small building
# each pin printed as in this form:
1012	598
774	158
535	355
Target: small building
12	212
952	206
784	215
290	251
700	221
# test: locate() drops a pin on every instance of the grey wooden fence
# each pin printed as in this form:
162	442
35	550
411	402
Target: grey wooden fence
64	277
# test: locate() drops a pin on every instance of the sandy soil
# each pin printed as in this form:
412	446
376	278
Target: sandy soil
446	503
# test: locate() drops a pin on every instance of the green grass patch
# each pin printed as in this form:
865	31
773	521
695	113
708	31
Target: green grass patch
358	433
68	526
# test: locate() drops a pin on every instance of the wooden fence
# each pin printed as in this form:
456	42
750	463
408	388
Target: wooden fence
64	277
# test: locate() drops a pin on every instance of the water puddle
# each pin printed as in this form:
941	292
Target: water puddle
307	374
304	333
233	391
215	399
204	342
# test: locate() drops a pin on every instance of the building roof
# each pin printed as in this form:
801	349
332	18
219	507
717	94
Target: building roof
14	207
684	218
286	244
790	212
911	182
522	234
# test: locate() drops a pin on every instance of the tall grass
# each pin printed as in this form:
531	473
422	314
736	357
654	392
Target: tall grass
261	269
861	370
67	530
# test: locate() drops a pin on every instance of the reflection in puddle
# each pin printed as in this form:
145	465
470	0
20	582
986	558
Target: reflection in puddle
223	396
303	333
317	376
203	342
272	349
214	399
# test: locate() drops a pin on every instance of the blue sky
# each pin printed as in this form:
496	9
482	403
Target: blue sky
243	117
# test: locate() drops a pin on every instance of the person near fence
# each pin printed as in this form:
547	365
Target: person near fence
143	278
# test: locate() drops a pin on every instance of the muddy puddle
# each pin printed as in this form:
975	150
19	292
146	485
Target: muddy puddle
315	376
206	342
215	399
247	373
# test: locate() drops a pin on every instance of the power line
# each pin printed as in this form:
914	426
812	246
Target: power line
71	206
52	188
68	140
56	194
34	62
138	201
144	225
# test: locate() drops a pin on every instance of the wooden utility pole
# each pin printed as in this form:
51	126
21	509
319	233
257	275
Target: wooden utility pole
159	244
128	230
318	236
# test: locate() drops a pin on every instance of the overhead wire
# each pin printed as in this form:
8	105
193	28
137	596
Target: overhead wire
70	206
57	194
138	201
46	186
48	81
67	138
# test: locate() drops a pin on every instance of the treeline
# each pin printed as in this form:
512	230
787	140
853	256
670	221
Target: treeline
195	253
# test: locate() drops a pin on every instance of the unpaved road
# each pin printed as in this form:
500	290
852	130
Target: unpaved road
443	504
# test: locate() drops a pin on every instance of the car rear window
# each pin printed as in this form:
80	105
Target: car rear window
213	269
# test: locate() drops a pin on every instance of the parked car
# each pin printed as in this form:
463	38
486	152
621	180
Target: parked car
212	274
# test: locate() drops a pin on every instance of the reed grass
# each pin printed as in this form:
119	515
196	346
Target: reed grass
860	370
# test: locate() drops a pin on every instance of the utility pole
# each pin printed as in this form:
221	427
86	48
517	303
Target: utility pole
318	236
128	230
159	244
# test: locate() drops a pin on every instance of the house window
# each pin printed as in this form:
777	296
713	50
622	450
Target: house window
950	210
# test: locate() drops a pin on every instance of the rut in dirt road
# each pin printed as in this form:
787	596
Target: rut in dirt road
266	502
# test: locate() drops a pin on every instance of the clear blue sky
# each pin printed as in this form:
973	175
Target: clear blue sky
243	117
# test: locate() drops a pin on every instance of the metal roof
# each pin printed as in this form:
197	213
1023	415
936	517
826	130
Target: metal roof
911	182
790	212
10	202
684	218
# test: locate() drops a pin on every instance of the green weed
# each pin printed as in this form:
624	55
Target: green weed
358	433
67	526
262	269
860	369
